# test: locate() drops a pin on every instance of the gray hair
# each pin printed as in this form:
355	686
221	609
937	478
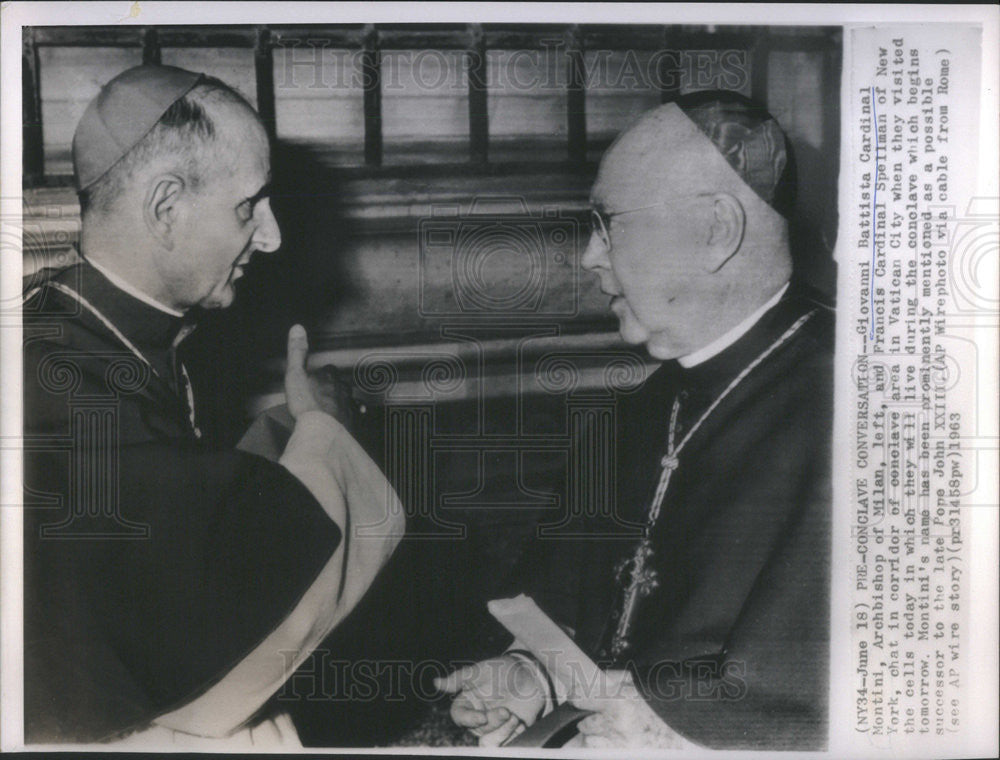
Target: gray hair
186	133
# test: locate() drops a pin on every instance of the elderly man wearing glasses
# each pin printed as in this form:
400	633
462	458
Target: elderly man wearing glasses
716	614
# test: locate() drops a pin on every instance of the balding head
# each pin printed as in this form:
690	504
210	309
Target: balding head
706	142
195	137
175	198
694	242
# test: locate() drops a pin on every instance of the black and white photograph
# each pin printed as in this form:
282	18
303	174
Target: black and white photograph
499	378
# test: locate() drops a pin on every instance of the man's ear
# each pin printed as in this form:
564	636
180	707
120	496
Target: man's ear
161	208
727	225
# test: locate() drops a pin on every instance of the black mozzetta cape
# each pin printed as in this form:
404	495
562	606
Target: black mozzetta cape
731	647
153	562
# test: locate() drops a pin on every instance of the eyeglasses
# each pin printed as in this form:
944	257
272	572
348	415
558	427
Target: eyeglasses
600	221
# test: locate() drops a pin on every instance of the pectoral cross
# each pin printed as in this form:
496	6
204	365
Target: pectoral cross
642	581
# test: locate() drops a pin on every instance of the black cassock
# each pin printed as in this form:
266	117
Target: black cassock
153	562
731	647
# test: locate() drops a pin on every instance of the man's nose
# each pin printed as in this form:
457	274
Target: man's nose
595	256
267	236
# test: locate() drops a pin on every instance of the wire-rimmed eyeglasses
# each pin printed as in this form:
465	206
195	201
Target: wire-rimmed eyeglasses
600	221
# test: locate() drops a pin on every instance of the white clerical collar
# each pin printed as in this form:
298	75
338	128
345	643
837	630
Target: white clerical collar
727	339
121	284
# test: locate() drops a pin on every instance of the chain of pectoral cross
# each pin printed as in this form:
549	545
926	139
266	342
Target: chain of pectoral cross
643	580
184	379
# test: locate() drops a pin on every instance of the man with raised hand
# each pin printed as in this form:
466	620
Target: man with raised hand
715	612
171	587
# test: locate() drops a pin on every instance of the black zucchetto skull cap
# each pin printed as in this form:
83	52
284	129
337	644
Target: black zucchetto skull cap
750	140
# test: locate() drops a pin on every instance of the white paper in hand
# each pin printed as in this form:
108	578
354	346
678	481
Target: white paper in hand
630	720
572	671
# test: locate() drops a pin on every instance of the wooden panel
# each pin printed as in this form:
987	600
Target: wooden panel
422	111
423	36
151	47
33	153
371	81
515	37
367	278
795	95
527	94
211	36
421	114
319	98
621	85
479	120
799	97
400	285
89	36
341	36
424	100
234	66
70	78
576	98
647	37
263	61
